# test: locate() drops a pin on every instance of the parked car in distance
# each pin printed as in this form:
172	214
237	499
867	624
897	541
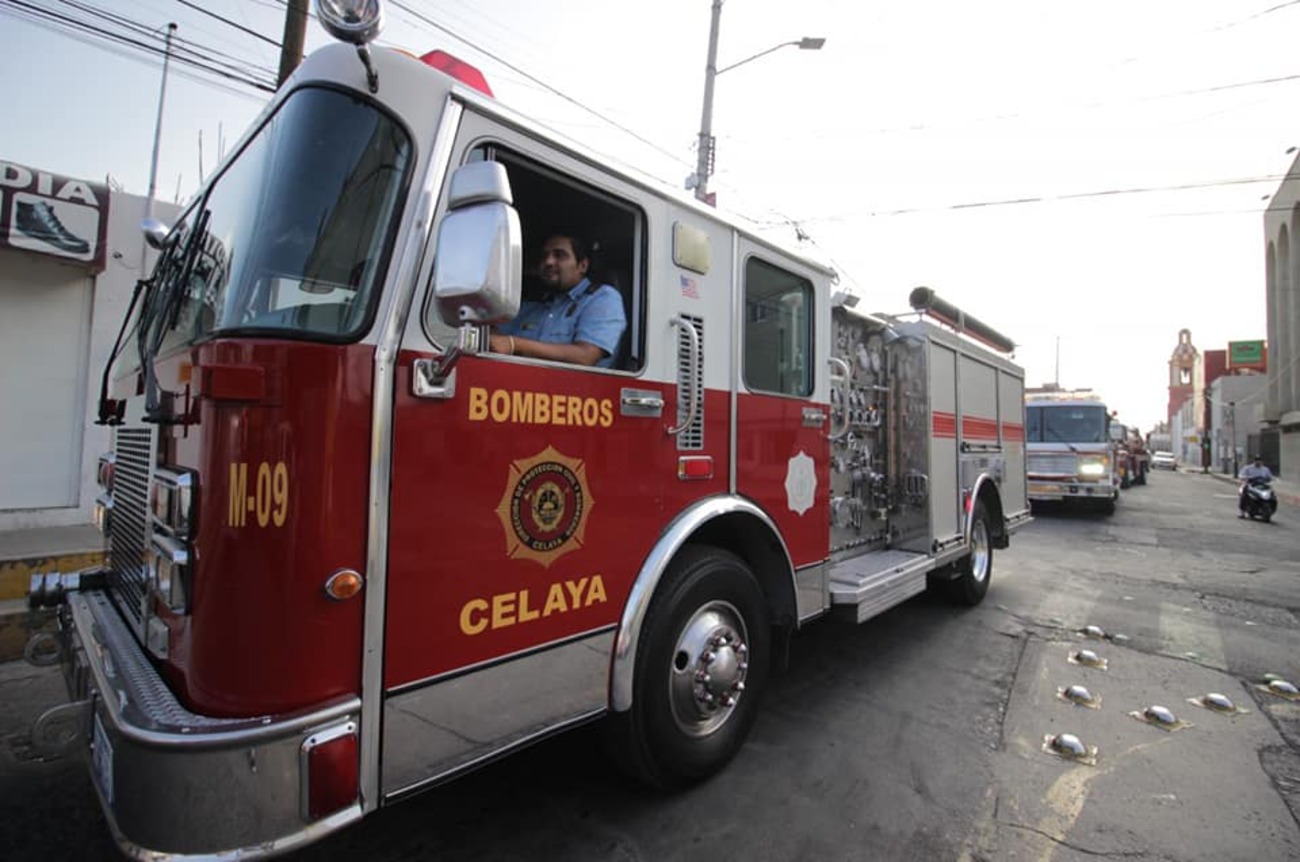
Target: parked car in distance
1164	461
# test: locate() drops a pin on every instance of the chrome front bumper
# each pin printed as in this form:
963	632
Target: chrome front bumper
175	784
1065	489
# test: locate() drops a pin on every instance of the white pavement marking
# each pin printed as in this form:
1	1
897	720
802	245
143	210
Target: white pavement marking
1133	535
1197	639
1069	607
1066	797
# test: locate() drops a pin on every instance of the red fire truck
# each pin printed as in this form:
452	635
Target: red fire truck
353	553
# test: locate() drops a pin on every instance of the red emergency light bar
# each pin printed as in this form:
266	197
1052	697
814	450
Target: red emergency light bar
458	69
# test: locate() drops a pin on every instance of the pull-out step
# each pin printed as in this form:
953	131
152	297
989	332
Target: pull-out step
876	581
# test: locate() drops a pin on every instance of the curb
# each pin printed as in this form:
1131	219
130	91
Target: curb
17	624
17	621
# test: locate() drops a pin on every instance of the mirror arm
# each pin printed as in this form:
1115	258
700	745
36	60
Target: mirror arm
471	339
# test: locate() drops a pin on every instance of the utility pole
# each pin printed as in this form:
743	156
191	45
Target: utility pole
157	129
704	158
295	35
1232	434
1056	375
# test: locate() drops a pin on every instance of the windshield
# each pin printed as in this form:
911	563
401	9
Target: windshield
1061	423
290	239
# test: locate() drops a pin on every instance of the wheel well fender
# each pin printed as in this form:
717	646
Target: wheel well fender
732	523
986	492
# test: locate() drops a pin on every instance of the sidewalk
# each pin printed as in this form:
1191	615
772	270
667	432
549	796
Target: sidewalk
24	553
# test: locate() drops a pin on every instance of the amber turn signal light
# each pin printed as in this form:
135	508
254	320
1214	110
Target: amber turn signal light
343	584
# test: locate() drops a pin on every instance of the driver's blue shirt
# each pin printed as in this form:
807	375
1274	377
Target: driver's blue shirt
587	314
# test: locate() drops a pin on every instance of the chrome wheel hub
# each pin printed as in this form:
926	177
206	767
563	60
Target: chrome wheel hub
979	551
710	663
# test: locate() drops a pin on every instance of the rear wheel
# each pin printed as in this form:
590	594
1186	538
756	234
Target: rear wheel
701	670
975	570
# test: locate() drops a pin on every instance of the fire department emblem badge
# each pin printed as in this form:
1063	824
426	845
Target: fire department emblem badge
800	483
545	506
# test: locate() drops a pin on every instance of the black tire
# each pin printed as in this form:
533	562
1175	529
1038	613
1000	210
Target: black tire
975	570
706	635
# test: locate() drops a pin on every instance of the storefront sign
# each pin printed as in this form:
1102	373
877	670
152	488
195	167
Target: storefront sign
1247	354
51	214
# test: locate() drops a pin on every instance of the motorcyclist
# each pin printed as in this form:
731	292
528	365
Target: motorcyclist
1256	470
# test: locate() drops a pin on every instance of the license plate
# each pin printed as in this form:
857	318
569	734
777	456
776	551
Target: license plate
101	761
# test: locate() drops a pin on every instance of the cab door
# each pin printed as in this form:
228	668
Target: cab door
524	497
782	414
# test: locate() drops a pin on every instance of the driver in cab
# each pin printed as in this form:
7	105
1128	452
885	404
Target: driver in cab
579	321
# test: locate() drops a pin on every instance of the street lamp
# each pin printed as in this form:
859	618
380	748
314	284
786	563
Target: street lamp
704	163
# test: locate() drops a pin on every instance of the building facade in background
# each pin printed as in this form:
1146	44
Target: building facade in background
70	254
1280	432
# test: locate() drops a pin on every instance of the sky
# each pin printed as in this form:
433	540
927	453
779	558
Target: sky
1086	178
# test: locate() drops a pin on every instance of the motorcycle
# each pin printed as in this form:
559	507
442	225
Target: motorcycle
1260	501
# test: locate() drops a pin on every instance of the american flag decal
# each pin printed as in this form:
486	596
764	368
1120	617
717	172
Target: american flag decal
690	289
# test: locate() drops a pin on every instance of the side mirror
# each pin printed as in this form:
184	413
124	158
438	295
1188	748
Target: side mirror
155	233
478	267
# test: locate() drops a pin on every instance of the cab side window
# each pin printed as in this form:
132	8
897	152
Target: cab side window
778	330
613	229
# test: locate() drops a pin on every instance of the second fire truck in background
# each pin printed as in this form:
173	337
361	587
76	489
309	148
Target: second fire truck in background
1070	454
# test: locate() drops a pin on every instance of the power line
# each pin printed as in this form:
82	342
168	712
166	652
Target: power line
1039	199
132	38
511	66
124	53
225	20
1279	7
180	44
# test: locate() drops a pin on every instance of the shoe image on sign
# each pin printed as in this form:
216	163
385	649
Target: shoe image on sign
39	221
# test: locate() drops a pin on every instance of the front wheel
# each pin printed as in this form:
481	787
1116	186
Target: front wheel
976	569
700	672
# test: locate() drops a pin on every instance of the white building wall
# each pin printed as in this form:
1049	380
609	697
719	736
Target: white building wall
1282	300
1237	400
71	321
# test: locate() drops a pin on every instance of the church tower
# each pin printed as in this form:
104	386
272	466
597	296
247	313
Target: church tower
1186	383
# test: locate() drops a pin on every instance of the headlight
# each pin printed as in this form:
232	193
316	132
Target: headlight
168	563
1093	467
171	500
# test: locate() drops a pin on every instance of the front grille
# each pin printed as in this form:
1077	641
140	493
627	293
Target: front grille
1051	464
129	527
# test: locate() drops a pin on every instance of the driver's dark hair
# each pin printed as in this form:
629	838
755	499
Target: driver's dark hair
581	248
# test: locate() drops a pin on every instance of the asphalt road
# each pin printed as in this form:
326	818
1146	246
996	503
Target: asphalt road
916	736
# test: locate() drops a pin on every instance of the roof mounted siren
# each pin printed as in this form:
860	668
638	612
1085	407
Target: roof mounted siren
356	22
924	300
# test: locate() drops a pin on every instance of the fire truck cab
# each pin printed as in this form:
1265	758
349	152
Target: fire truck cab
353	552
1072	451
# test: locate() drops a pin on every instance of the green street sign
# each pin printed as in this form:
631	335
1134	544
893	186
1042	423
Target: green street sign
1246	354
